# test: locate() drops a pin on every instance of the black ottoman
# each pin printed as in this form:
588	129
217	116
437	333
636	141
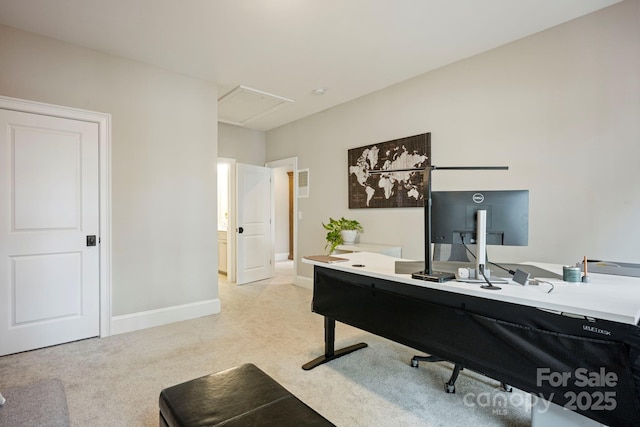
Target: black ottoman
240	396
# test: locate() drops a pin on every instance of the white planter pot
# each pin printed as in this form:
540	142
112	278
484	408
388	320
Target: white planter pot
349	236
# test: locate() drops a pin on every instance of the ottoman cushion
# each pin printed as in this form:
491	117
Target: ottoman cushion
240	396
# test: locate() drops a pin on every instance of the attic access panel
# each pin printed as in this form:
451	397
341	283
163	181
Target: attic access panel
244	104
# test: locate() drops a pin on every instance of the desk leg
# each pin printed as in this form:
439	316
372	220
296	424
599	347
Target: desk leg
329	341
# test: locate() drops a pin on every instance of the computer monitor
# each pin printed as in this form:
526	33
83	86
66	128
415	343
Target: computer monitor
453	216
481	218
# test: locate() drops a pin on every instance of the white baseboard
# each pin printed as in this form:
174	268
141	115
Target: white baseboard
162	316
304	282
282	257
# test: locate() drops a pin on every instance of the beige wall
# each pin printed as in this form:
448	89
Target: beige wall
164	145
245	145
561	108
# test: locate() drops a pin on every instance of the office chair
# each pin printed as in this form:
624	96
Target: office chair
450	385
454	253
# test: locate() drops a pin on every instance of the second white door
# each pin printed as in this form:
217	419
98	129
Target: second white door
254	231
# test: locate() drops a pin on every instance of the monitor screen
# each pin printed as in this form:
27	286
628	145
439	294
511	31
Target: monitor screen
453	216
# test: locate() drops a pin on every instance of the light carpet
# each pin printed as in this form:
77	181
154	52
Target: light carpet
116	381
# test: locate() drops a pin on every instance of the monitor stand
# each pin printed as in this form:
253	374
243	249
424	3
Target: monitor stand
481	249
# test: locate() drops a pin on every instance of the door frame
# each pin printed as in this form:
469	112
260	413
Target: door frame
292	164
103	121
231	221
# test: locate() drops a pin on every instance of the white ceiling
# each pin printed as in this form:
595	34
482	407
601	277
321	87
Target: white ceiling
291	47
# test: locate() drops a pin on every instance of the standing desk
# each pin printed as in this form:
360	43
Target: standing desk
584	334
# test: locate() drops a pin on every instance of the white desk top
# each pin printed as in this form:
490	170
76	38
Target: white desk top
607	297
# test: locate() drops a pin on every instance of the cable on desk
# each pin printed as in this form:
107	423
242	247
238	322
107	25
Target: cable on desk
536	281
486	255
508	270
532	281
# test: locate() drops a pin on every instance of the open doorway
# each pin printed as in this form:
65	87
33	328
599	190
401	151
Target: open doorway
284	209
285	225
226	218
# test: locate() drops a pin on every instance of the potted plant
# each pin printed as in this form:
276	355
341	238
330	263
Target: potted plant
341	231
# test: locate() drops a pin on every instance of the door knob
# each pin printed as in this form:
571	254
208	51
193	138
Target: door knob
240	230
91	240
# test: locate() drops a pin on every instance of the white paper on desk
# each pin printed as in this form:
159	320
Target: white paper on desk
329	259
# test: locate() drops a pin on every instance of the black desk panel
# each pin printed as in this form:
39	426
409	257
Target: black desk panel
505	341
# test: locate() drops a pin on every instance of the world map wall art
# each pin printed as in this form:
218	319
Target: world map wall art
370	186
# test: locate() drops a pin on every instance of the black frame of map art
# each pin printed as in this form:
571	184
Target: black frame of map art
392	189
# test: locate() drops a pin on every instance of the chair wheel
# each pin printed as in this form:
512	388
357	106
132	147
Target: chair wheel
449	388
414	363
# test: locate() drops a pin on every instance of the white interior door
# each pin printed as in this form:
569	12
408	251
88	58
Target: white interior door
254	236
49	205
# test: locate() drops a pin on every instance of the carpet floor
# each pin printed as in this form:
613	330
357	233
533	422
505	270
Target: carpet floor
116	381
